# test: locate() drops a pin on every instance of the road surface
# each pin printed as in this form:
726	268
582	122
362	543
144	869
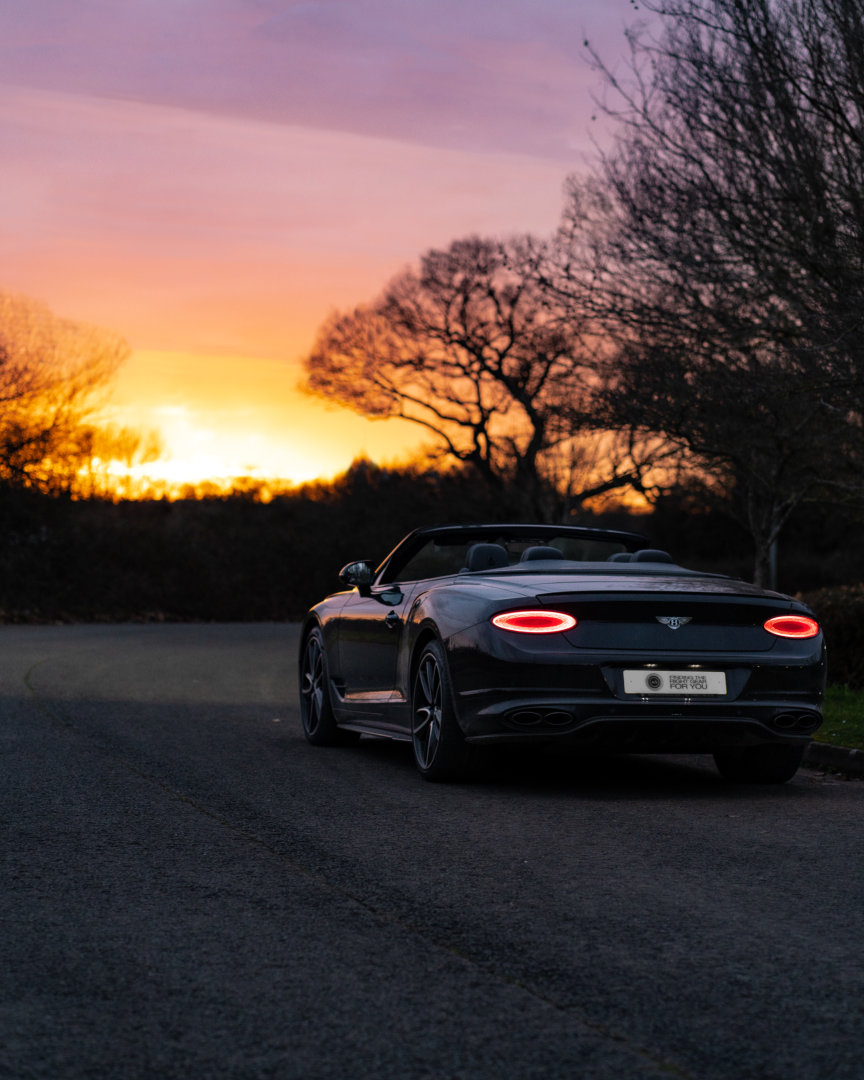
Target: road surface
190	890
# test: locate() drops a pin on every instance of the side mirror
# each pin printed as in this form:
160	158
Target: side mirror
358	574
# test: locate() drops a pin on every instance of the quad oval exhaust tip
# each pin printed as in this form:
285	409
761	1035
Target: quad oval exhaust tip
525	718
801	723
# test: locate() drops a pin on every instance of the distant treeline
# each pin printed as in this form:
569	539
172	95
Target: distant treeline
240	557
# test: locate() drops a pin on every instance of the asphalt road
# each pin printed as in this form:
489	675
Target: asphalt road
190	890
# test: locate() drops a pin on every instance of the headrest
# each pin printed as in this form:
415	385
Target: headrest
540	552
621	556
485	557
652	555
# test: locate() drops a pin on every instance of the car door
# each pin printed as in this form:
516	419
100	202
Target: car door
371	629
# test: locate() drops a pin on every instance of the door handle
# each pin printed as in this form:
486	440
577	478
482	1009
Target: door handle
391	620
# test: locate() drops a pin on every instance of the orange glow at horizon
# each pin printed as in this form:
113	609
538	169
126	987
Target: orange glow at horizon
224	417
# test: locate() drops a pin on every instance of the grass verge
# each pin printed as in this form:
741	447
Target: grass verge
844	717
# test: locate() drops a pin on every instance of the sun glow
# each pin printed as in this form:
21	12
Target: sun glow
220	418
204	446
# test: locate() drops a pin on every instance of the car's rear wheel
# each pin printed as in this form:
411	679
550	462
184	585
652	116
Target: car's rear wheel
440	750
768	764
316	710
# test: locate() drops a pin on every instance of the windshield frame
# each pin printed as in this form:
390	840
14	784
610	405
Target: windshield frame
517	536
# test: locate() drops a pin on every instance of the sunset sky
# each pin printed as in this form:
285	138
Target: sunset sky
211	177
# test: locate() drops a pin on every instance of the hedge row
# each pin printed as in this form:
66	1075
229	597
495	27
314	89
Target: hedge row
841	612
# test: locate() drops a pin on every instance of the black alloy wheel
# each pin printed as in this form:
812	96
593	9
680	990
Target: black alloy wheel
316	711
440	750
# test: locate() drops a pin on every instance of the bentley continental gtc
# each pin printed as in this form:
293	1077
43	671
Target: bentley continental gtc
475	635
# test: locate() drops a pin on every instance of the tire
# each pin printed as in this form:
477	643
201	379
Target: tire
316	709
440	750
768	764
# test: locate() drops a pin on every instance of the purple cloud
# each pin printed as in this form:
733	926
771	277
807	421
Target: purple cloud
502	75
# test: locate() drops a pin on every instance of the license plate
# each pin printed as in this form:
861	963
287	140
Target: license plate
686	683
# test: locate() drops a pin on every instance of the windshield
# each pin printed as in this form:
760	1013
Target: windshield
443	556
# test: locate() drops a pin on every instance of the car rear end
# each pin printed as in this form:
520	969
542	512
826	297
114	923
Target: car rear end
643	662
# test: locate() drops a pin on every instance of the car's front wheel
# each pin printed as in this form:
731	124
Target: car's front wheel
316	710
768	764
440	750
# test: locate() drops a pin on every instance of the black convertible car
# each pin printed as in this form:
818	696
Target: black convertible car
470	635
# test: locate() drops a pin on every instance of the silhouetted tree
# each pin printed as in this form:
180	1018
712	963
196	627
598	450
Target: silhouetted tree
51	373
468	347
726	237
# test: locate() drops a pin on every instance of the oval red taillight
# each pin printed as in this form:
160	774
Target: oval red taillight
534	622
792	626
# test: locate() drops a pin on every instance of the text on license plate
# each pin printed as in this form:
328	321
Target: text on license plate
674	682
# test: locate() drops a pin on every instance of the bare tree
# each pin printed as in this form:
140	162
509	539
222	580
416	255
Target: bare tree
727	246
469	348
52	371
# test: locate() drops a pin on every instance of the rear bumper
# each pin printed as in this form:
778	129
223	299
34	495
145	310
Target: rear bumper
693	733
585	704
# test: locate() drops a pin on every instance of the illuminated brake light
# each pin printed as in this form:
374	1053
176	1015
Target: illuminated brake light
534	622
792	626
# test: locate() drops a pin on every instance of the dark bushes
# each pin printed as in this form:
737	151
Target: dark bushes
841	612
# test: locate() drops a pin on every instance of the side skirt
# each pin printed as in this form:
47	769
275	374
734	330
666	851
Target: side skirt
385	713
384	731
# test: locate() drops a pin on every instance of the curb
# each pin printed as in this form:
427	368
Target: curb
840	758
